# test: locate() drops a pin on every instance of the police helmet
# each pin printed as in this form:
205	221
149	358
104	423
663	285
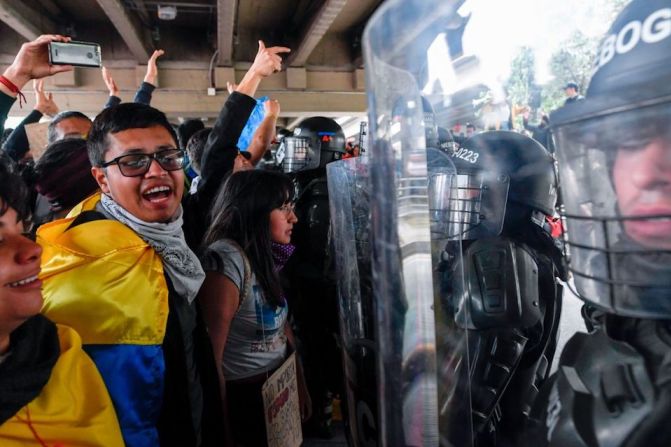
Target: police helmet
614	151
501	177
316	142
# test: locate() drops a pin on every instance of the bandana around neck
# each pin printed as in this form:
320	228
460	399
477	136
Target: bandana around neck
281	254
167	239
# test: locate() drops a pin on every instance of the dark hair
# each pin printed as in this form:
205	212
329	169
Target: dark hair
195	147
241	212
122	117
572	85
471	125
51	130
13	192
187	129
63	174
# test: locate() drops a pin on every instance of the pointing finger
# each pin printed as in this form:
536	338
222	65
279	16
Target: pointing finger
276	50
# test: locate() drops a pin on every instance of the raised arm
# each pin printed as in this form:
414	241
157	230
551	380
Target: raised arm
31	62
113	98
265	133
221	147
17	144
144	92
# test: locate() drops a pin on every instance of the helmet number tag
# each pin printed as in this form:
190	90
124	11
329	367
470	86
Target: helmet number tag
281	152
465	154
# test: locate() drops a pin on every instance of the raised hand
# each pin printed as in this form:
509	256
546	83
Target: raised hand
152	69
267	60
44	102
109	82
32	61
271	108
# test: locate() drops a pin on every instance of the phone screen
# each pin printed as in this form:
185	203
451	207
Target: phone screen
83	54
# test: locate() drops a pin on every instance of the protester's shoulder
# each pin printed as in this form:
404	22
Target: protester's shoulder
87	233
225	248
225	257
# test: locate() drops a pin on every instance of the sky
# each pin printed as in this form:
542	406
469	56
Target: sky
497	29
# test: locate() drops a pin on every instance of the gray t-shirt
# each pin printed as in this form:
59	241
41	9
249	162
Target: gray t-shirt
256	340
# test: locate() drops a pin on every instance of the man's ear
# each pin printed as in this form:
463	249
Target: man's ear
99	174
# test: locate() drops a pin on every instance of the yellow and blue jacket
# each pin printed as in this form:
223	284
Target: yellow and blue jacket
100	278
72	409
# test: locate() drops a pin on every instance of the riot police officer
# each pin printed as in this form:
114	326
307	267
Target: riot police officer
612	387
510	305
315	142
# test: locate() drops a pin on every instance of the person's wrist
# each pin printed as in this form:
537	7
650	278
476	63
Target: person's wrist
16	77
255	75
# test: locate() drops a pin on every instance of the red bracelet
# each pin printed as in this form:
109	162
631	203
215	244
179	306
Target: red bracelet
14	89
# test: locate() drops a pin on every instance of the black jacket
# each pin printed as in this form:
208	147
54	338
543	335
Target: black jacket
216	165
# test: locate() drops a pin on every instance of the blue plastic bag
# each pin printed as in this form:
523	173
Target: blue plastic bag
253	123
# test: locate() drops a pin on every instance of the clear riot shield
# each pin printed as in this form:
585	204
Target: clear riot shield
458	90
421	350
349	197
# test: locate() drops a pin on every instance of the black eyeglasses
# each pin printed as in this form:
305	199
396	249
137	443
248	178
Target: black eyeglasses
288	208
135	165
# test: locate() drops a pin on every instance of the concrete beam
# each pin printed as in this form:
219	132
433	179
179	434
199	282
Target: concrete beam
183	91
226	14
296	78
65	79
141	9
317	26
175	104
128	28
359	79
223	75
24	20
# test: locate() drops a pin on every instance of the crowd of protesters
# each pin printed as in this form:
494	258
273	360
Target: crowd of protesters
133	319
150	309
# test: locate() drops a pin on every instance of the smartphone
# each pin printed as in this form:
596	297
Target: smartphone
81	54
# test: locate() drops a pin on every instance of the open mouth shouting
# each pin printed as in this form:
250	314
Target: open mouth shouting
158	194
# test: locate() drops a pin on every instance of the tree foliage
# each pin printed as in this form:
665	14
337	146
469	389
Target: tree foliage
571	63
521	85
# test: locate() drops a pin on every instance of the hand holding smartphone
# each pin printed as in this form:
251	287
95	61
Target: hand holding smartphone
80	54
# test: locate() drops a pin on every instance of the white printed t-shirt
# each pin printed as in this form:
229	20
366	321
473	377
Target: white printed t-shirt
256	340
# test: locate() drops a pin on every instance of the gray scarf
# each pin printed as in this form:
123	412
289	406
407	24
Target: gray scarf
167	239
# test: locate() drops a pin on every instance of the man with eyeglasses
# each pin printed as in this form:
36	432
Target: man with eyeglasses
120	272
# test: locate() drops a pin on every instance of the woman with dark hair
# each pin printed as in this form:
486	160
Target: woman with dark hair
247	243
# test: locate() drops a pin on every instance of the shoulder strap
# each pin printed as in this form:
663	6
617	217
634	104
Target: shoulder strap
247	280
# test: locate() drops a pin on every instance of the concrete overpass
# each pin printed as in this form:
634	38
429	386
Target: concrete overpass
207	43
